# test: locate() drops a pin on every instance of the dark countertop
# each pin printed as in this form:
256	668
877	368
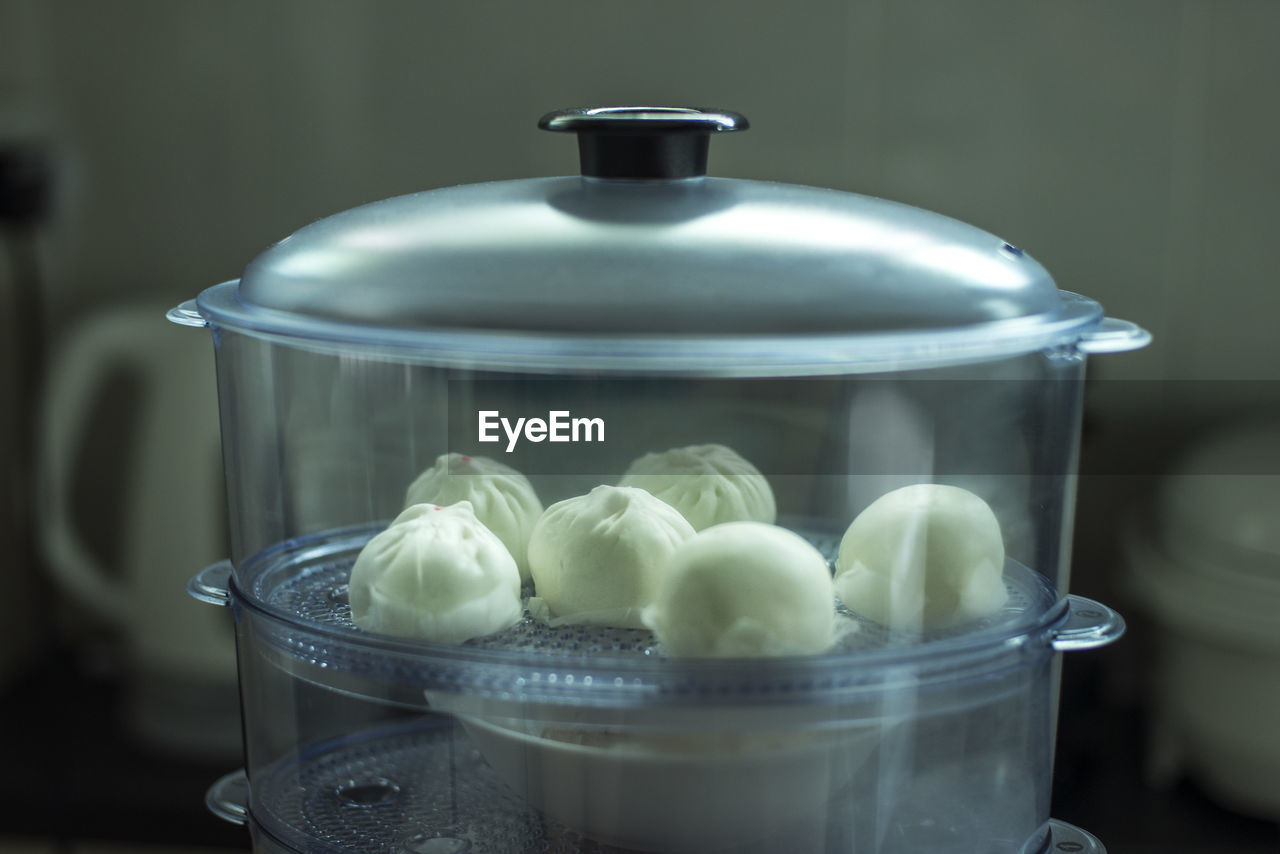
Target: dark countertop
76	774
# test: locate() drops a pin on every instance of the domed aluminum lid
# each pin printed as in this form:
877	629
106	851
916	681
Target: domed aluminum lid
644	263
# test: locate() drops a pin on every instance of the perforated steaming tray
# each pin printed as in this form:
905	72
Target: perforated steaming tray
299	589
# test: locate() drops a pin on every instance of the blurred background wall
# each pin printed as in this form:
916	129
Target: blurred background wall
1129	146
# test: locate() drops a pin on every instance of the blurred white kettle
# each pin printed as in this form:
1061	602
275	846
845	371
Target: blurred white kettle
182	686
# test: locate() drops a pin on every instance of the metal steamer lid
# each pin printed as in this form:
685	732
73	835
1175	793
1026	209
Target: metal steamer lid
644	263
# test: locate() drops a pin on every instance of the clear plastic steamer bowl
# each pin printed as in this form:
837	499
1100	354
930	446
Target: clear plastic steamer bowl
842	348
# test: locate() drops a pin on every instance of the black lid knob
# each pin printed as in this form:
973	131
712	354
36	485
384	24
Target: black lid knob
643	142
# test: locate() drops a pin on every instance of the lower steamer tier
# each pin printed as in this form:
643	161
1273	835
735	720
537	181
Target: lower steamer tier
424	789
584	740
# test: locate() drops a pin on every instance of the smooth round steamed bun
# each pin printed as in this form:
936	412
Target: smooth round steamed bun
598	558
435	574
708	484
923	557
503	498
744	589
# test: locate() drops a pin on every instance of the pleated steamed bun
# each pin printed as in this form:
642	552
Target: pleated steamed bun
923	557
598	558
708	484
435	574
744	589
503	499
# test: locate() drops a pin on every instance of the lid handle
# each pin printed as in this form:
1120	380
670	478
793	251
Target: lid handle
643	142
1113	335
187	314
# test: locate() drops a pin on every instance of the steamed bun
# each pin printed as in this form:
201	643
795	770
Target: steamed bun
923	557
744	589
435	574
708	484
598	558
503	498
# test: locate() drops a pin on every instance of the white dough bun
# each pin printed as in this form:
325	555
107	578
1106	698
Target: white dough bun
923	557
708	484
435	574
598	558
745	589
503	499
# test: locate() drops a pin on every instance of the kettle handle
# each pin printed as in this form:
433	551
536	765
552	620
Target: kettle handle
101	345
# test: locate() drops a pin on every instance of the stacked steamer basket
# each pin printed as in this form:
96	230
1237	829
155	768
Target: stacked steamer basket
543	499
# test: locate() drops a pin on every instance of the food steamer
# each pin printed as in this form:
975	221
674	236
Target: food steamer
843	344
